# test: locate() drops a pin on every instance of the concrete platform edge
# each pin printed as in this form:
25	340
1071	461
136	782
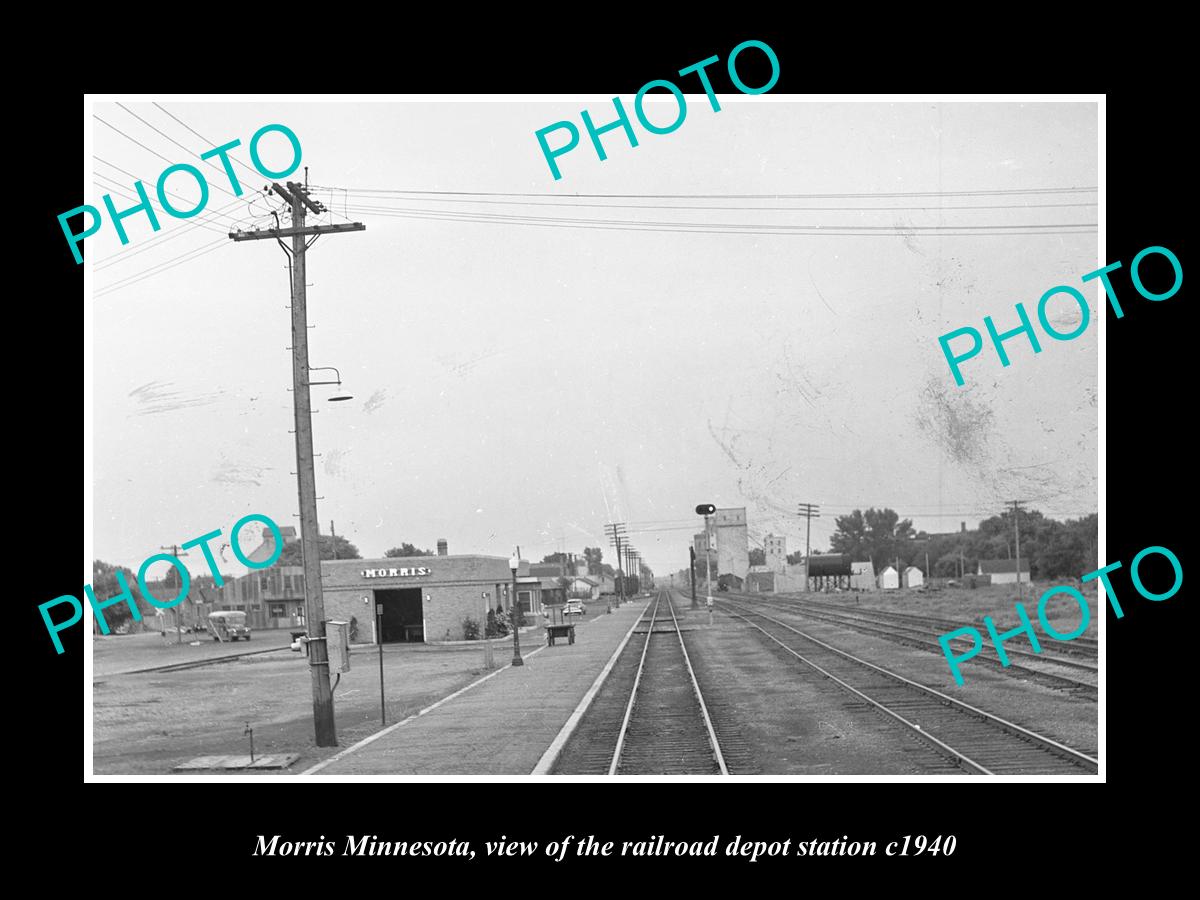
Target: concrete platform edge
550	757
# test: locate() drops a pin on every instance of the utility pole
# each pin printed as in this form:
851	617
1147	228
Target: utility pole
174	548
810	512
1016	510
631	563
615	531
333	538
296	195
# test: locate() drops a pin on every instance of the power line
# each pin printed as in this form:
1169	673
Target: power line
830	231
256	174
161	267
983	193
1019	206
232	218
135	140
152	242
155	152
119	190
187	150
472	216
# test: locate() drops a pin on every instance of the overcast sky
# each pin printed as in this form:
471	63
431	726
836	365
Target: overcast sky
526	383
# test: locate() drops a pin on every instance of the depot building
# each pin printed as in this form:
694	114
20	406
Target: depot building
423	599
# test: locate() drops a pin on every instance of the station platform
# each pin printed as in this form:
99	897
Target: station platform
503	724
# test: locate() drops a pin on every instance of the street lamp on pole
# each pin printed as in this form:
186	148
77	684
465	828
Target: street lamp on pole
337	397
515	564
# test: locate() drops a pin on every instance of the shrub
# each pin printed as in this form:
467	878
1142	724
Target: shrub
501	623
470	629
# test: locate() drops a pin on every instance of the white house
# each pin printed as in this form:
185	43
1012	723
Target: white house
862	576
889	579
584	586
1004	571
913	577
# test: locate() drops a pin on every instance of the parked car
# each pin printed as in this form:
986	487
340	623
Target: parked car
228	625
574	608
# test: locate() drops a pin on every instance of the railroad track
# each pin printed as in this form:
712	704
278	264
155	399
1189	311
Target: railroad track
977	741
1086	647
913	636
651	718
192	664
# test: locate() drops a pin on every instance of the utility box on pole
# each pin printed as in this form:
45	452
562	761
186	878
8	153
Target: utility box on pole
337	639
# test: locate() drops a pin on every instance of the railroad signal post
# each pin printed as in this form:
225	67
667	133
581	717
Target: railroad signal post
692	573
296	195
707	510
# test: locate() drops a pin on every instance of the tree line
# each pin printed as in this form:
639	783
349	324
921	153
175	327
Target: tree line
1054	549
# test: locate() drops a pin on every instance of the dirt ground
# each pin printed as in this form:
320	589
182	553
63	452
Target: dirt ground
145	724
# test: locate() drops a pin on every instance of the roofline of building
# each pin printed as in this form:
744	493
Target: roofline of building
393	561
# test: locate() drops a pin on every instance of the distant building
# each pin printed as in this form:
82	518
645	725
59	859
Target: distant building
889	579
1004	571
732	546
270	598
585	587
913	577
553	593
760	580
266	549
862	576
775	550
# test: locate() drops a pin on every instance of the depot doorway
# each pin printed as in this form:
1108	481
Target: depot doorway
402	621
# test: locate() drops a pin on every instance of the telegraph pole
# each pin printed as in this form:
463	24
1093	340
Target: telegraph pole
615	531
1016	510
628	564
296	195
174	548
810	512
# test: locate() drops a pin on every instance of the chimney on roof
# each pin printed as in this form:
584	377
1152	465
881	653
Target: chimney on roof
443	547
964	527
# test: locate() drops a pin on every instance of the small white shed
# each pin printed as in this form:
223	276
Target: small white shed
913	577
889	579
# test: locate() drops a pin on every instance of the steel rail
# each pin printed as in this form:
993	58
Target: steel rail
712	734
919	634
1076	645
190	664
616	757
1017	730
